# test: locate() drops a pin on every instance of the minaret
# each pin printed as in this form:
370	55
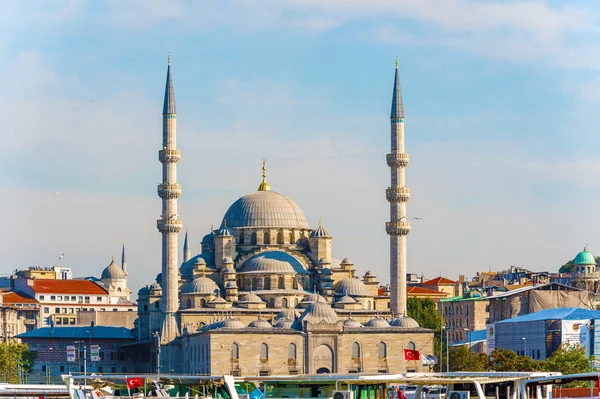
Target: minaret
169	224
187	254
123	263
397	194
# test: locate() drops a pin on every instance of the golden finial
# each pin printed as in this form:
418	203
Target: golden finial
113	257
212	228
396	62
320	223
224	223
203	270
349	272
169	60
264	186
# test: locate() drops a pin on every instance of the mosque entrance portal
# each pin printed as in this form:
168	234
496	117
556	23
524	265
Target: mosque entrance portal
323	359
323	370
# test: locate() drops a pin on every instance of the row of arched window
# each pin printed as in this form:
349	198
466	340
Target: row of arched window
264	351
266	283
266	236
381	349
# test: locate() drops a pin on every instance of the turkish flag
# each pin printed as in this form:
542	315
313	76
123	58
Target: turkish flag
134	382
411	354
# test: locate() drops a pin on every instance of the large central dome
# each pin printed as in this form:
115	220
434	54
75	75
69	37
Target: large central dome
264	209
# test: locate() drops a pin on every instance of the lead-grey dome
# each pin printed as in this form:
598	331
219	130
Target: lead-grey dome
265	209
273	262
346	299
317	313
377	322
260	323
201	285
283	323
351	286
113	272
350	322
312	298
250	298
287	314
404	322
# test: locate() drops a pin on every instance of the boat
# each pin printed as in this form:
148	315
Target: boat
33	391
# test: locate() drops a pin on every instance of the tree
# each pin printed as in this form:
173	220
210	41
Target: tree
568	267
425	312
507	360
568	360
12	355
463	359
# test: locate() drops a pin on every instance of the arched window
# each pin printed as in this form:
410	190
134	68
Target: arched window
188	303
119	289
291	238
264	352
294	283
280	283
382	350
356	350
235	351
266	238
292	351
253	238
279	237
296	302
272	302
255	283
202	303
284	302
267	283
241	237
412	346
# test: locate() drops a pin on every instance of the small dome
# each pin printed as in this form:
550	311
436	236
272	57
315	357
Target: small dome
210	237
224	232
200	261
335	263
346	261
404	322
287	314
228	261
283	323
350	322
229	270
201	285
326	271
231	284
582	258
377	322
351	286
320	232
144	290
317	313
155	286
217	299
232	323
113	272
250	298
265	209
370	273
346	299
312	298
260	324
273	262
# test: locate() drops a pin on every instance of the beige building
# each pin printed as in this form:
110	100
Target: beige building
463	314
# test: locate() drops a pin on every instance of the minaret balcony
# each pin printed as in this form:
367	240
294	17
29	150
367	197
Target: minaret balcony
169	156
401	194
397	228
169	225
169	191
397	159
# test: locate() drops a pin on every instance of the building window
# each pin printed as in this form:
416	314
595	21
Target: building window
87	299
99	298
356	350
241	237
46	310
62	369
41	297
284	302
235	351
272	302
279	238
53	297
382	350
146	306
115	310
73	298
59	298
43	368
266	238
157	304
188	304
280	282
292	351
412	346
202	303
100	369
264	352
253	238
291	235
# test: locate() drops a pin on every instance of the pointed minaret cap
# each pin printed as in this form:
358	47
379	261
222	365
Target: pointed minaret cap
169	104
123	262
264	186
397	108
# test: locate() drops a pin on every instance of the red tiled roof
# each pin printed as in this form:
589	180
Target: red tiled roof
424	291
439	281
17	297
67	287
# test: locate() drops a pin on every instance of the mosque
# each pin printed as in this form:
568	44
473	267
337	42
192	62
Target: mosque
265	295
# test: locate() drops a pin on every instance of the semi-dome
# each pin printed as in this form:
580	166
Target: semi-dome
200	285
231	284
377	322
227	323
317	313
113	272
370	273
582	258
351	286
283	323
404	322
260	323
312	298
265	209
287	314
350	322
273	262
346	261
346	299
250	298
217	299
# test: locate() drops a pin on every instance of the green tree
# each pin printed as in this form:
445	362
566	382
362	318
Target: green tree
568	267
507	360
12	355
463	359
425	312
568	360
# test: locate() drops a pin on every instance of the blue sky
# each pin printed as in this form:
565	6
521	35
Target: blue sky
501	101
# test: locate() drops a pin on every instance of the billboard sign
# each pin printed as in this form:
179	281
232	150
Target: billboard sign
95	353
576	332
490	338
71	353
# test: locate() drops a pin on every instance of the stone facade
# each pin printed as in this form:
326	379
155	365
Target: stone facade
463	315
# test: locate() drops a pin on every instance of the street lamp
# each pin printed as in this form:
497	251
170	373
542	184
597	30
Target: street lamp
524	346
157	337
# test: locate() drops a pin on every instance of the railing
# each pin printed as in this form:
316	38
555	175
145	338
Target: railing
401	194
169	155
169	225
397	228
397	159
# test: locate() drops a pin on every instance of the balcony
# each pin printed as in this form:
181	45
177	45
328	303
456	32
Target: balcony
169	225
585	276
169	156
397	194
397	159
397	228
169	191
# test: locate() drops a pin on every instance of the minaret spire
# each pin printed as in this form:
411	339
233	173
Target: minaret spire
123	263
169	225
397	195
186	249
